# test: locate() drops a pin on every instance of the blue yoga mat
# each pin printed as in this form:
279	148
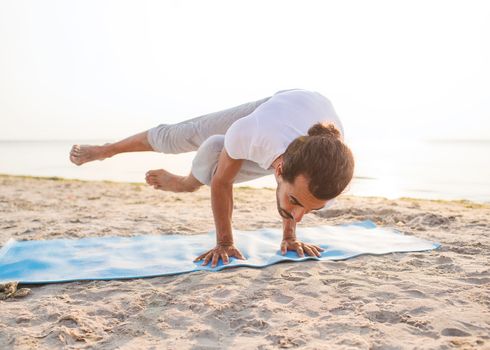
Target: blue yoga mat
105	258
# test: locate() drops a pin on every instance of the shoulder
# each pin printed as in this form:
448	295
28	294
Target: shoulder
239	137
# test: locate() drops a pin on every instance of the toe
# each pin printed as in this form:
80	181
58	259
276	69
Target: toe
151	180
75	160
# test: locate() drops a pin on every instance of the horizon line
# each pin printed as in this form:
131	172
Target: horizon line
476	140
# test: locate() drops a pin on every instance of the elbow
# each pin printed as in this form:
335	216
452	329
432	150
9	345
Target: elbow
221	183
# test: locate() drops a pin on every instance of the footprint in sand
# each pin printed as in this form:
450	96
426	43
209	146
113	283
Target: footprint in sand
289	277
421	310
384	316
249	325
454	332
222	293
281	298
415	293
383	295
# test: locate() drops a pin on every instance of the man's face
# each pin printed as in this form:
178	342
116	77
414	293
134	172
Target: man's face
294	200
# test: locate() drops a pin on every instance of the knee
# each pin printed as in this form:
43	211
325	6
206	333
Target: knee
173	138
213	144
156	136
206	158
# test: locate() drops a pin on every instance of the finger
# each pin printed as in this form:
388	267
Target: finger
312	249
300	251
200	257
207	258
309	251
215	260
320	250
315	250
224	257
284	248
239	255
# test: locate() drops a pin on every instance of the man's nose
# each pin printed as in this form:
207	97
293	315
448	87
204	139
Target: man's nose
298	213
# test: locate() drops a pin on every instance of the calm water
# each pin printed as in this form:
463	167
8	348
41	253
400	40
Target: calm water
391	168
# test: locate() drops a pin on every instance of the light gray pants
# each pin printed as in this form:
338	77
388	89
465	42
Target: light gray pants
205	134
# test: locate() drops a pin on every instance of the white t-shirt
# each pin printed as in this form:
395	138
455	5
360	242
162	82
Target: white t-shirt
264	134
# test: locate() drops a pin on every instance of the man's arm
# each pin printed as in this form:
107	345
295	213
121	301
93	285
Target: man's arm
222	205
289	237
222	196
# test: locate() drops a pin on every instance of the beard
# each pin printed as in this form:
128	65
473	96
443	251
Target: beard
284	214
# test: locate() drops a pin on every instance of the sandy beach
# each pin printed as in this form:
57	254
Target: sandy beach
431	300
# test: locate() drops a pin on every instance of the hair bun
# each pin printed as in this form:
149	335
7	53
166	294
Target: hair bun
327	129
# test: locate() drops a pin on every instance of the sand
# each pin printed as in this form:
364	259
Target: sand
438	299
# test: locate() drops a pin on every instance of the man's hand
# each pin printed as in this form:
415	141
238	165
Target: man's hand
289	241
220	251
300	247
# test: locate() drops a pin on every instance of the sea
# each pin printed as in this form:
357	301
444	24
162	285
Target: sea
446	169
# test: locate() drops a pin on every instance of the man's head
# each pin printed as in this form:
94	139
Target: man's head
314	169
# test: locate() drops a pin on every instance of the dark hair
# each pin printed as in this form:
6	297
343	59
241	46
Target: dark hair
323	158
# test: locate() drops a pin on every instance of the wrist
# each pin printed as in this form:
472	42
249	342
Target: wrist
288	230
288	234
224	239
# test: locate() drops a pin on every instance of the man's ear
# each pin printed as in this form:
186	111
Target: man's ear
278	169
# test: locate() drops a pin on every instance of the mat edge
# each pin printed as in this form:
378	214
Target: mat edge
4	250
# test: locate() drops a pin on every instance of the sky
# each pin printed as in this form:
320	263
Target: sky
77	70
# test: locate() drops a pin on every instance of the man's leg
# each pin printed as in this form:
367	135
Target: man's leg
206	161
188	135
195	134
81	154
177	138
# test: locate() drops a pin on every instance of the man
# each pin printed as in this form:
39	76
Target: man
294	134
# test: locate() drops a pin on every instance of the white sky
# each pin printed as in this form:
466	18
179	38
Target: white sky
108	69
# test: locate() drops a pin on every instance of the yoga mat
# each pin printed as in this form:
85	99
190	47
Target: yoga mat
106	258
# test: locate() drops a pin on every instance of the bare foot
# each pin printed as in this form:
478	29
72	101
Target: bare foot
81	154
163	180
